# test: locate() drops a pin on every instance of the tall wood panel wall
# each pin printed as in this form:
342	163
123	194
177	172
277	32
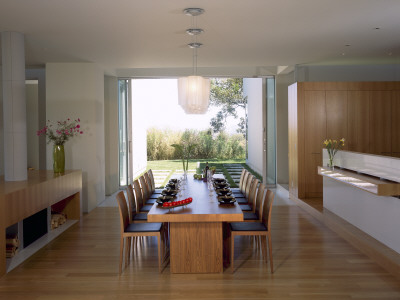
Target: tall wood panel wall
366	114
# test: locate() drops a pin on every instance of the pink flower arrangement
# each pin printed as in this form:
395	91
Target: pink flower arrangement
63	131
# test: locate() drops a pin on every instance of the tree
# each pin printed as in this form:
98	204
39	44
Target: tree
227	93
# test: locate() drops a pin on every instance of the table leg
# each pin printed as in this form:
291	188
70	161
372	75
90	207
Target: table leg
196	247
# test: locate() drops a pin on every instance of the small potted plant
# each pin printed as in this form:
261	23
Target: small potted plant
59	133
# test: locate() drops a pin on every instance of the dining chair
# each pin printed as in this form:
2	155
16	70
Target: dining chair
262	229
241	196
256	216
153	183
251	198
131	230
134	217
242	183
141	207
147	198
237	190
151	198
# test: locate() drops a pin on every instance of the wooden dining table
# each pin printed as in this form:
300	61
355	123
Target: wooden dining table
196	230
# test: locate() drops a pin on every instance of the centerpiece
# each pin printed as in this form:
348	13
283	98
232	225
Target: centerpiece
332	146
59	133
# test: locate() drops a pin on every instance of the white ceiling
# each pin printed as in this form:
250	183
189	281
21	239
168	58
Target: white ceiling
137	34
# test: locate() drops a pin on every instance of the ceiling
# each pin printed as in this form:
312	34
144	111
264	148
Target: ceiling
147	34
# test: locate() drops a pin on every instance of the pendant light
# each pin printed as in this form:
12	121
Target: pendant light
194	91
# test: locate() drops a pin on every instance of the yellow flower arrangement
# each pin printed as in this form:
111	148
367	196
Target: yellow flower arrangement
332	146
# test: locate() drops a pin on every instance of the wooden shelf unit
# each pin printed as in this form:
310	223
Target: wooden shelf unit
364	113
364	182
42	189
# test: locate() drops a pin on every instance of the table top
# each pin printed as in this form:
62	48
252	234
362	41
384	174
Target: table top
204	208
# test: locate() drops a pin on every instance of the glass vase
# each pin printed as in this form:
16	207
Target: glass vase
58	159
330	163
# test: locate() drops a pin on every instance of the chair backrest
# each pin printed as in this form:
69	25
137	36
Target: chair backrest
245	177
252	193
148	183
123	211
145	189
244	171
250	179
151	176
267	208
138	195
131	200
260	201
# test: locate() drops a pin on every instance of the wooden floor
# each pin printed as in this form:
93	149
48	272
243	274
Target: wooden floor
316	203
311	262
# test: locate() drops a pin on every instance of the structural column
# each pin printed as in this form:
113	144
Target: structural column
14	106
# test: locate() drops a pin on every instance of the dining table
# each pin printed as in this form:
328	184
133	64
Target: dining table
196	230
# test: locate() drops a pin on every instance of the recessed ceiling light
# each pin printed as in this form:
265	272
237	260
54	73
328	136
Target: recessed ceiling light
347	45
377	28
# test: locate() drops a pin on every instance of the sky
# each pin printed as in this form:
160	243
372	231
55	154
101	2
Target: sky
161	96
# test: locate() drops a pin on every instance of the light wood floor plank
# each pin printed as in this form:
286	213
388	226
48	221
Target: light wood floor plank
311	262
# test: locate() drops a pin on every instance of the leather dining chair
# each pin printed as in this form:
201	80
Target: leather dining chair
134	216
130	230
153	183
256	215
262	229
151	198
141	207
250	194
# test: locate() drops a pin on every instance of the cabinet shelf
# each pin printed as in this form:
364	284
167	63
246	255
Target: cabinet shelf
364	182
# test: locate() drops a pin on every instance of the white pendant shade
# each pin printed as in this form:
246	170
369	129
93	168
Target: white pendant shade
194	94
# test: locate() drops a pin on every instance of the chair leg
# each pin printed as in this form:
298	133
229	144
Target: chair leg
232	250
263	247
127	251
270	252
121	253
159	251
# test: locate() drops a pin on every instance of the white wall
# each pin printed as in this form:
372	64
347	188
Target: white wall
76	90
140	121
252	88
111	134
32	124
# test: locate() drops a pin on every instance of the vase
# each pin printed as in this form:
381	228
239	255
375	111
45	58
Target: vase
58	159
330	163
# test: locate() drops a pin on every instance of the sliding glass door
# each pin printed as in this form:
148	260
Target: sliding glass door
123	85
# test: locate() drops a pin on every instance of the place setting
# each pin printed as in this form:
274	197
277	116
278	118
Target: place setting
224	193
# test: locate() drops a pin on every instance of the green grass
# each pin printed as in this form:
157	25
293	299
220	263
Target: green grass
174	165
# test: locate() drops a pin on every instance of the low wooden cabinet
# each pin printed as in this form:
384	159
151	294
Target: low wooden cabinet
364	113
42	189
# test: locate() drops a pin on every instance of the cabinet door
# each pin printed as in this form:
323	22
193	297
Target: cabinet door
314	135
358	121
396	124
380	131
336	115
